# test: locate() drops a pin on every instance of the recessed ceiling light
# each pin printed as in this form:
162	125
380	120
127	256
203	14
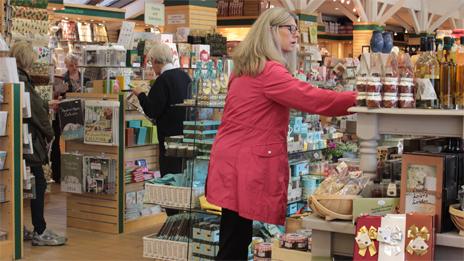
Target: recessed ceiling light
342	1
336	8
354	9
395	34
348	2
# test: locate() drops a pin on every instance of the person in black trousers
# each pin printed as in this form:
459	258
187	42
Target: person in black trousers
171	87
42	134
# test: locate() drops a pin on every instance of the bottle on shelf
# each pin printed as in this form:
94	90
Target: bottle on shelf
459	92
427	73
447	76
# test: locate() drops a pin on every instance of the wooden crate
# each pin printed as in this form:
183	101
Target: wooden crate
194	17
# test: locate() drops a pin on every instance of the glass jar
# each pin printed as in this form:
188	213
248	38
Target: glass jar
390	100
390	85
374	100
406	100
406	86
361	99
374	85
361	84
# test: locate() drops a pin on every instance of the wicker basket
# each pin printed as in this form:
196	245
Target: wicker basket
333	207
172	196
458	218
164	249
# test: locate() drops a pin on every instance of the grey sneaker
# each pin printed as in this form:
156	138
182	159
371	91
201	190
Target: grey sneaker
48	238
27	234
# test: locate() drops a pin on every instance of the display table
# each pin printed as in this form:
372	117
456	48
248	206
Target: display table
337	238
373	122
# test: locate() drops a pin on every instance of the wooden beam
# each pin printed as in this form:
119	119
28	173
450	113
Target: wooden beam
371	8
404	23
391	11
347	12
382	10
424	15
289	5
452	11
429	21
313	5
361	11
453	22
413	14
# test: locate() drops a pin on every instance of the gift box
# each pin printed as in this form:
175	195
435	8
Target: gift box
420	237
391	237
366	245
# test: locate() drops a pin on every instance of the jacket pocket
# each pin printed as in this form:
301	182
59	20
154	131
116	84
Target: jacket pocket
270	150
270	168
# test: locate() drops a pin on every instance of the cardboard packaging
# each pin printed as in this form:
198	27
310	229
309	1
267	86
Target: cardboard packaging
392	237
420	237
375	206
366	245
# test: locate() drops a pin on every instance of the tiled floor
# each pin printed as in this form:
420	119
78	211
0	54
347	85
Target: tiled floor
82	244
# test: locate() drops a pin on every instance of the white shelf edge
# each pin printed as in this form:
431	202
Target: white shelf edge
421	112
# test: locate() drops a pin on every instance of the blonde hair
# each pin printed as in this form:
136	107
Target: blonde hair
161	52
24	54
262	43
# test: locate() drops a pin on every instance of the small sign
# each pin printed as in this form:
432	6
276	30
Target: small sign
176	19
154	14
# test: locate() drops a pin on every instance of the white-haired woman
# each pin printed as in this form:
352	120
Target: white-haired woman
71	83
248	171
171	87
42	134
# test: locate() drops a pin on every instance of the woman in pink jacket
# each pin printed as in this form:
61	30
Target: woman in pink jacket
248	172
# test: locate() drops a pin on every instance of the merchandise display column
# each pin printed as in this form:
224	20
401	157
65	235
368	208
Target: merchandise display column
362	33
196	15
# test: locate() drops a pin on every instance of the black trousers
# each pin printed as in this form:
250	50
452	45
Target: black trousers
235	236
55	155
168	165
38	204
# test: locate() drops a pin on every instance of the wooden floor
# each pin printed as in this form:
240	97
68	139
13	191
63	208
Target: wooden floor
82	244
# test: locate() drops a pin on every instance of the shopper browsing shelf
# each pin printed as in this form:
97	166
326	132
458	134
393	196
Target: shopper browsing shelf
170	88
248	171
69	82
42	134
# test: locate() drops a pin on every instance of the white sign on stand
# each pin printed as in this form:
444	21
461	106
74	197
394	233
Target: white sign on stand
154	14
176	19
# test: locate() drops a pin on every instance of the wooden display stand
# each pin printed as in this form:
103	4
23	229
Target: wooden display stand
105	213
196	15
11	174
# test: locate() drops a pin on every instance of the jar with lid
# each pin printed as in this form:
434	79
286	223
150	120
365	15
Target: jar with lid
406	86
374	85
406	100
361	84
390	84
390	100
374	100
361	99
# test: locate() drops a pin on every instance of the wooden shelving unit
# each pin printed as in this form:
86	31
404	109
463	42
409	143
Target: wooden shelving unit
11	174
105	213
